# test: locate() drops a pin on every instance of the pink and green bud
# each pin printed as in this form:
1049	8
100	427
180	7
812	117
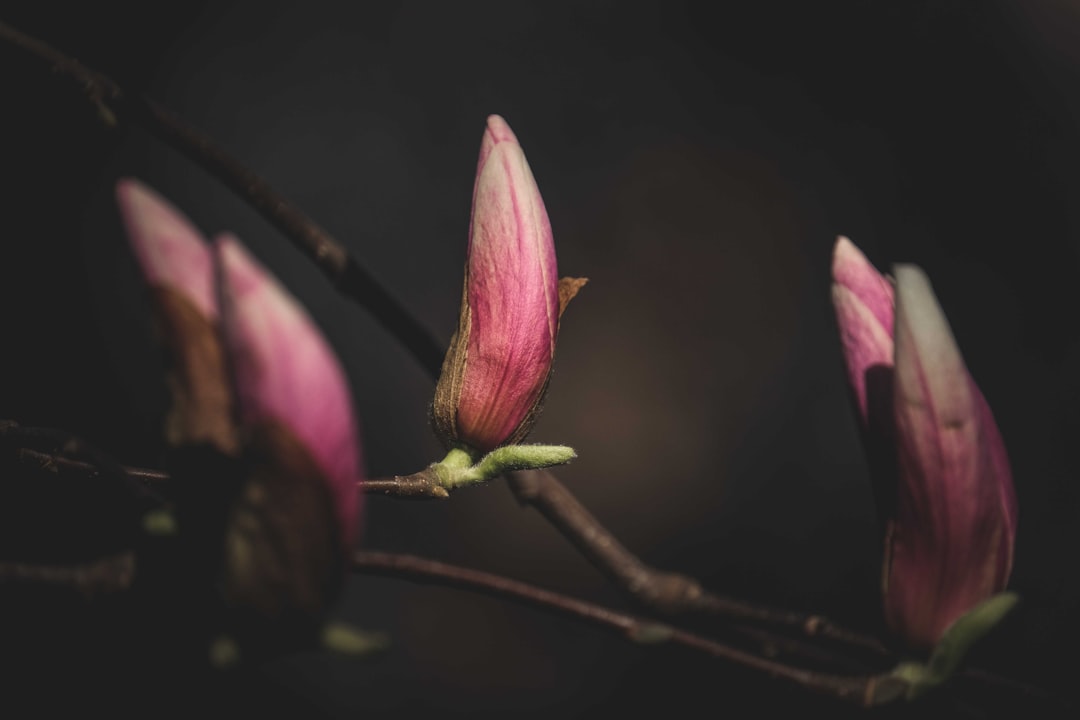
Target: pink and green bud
285	373
497	367
949	544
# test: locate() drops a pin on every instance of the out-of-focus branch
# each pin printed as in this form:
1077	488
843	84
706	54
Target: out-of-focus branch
346	274
865	690
103	576
12	434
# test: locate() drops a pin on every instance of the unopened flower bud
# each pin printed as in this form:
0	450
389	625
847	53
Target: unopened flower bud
949	543
496	370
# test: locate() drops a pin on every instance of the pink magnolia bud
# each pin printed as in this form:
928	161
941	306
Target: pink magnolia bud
286	374
950	541
497	368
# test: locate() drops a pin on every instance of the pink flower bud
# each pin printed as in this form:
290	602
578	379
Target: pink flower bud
950	541
497	368
285	373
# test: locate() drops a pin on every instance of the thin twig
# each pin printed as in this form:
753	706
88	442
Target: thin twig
104	576
421	485
67	448
865	690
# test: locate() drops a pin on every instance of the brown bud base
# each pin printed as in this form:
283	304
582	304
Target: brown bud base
202	405
283	551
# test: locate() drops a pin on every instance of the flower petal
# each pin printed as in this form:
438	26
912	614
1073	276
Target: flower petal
863	301
172	253
951	543
512	294
286	373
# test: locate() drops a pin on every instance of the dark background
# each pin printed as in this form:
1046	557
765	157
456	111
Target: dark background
697	162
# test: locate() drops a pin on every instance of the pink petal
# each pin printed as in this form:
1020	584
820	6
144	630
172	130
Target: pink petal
512	294
171	252
956	516
863	301
286	372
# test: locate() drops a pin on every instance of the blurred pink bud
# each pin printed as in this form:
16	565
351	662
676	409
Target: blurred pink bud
950	541
497	368
285	373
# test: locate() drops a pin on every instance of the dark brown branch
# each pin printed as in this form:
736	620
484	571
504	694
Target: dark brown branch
104	576
866	690
65	451
114	574
420	485
345	273
59	463
666	592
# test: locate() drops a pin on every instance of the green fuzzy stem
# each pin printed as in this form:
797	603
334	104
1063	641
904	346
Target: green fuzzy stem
954	644
457	468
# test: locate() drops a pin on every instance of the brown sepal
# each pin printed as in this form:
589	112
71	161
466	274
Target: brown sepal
568	290
202	405
452	377
283	549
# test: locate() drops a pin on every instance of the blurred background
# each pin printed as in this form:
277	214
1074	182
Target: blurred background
697	161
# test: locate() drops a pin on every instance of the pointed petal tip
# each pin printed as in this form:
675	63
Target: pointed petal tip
847	260
241	272
852	271
918	306
171	252
500	130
